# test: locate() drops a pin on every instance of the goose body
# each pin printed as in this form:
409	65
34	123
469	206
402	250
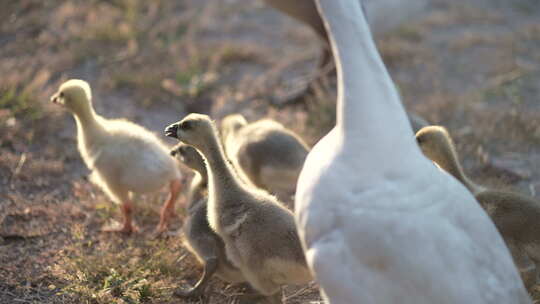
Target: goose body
268	154
379	223
127	154
123	156
515	215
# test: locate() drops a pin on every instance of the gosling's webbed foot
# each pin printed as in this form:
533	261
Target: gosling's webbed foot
157	234
163	231
210	268
163	225
193	292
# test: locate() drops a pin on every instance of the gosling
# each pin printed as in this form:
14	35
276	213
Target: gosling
200	239
515	215
259	233
192	158
124	157
268	154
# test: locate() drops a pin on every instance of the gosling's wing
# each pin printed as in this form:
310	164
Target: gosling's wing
515	215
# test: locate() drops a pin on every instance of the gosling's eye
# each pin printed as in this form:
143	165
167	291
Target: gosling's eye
186	125
61	95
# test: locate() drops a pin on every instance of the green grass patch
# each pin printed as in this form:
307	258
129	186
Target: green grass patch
20	103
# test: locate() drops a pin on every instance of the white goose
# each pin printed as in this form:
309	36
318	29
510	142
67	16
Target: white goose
379	223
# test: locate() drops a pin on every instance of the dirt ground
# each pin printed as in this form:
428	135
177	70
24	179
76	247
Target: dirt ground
472	66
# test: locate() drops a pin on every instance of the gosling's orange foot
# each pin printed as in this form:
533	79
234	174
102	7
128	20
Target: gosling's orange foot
161	230
167	211
166	216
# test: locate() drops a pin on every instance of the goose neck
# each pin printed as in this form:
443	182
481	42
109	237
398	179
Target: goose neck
368	101
88	120
450	163
220	174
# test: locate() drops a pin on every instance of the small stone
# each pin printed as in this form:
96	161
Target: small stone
11	122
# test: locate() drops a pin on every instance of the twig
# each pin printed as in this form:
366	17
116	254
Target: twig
297	293
18	168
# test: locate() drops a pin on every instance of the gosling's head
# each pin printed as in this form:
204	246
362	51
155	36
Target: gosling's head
232	123
436	143
194	130
74	94
189	156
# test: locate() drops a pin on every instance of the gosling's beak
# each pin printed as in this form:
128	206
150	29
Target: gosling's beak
171	130
54	98
173	152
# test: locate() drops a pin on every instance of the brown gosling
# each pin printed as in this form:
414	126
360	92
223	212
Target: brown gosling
190	157
200	239
268	154
124	157
259	233
515	215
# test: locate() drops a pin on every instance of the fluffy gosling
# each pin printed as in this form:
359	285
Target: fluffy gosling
124	157
259	233
200	239
270	155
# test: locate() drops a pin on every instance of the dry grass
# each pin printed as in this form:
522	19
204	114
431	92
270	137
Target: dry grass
469	66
